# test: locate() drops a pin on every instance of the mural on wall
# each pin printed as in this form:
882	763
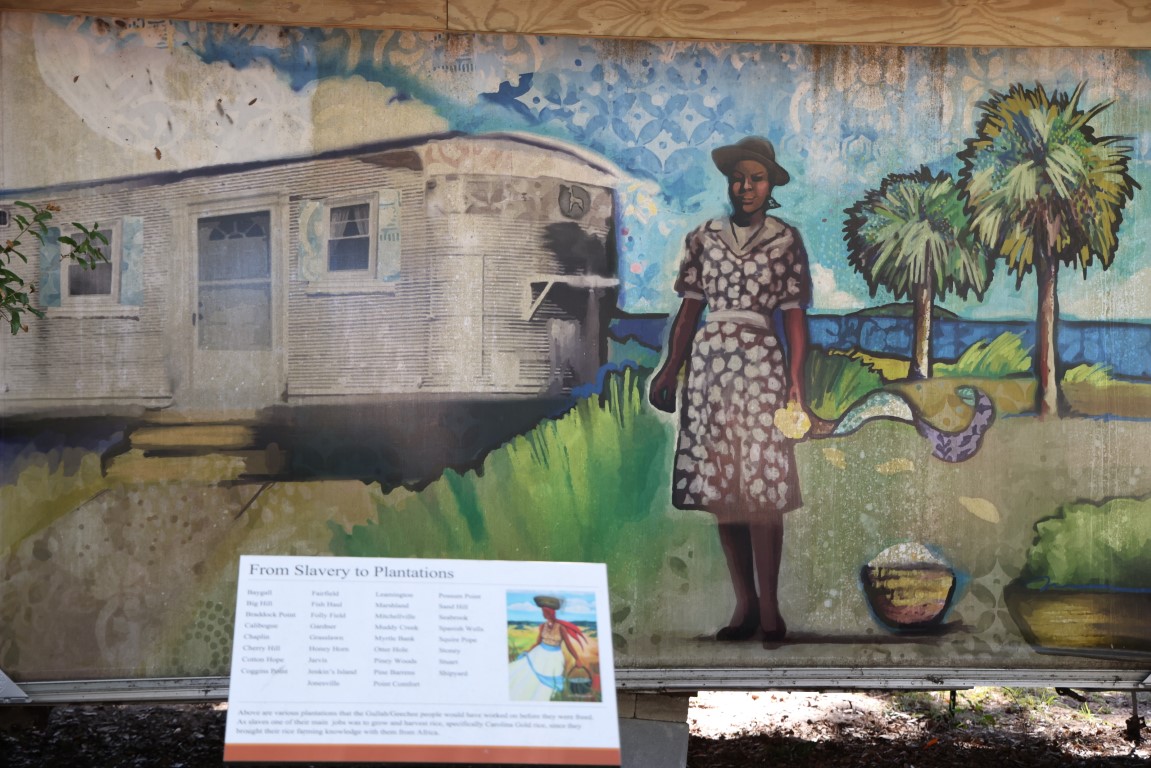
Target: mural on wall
404	294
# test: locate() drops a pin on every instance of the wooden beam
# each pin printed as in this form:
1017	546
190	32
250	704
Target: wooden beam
1072	23
1030	23
380	14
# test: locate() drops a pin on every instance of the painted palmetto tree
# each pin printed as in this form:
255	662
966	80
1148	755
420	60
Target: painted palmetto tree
911	236
1043	190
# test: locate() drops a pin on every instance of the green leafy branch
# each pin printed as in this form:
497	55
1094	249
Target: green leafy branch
15	292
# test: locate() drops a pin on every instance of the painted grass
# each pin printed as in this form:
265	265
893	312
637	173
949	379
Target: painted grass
1120	399
605	445
1001	357
836	380
588	487
890	368
522	636
666	572
897	369
855	507
593	486
1098	374
47	486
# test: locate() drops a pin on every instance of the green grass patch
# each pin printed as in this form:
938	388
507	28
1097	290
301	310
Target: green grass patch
1098	374
1031	699
588	487
836	380
47	486
1001	357
560	491
889	368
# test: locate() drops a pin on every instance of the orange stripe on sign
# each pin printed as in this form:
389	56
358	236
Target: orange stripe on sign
406	753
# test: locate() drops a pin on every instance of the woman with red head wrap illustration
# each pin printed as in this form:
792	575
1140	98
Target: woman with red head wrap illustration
538	673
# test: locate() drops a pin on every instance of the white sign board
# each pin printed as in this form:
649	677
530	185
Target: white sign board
396	660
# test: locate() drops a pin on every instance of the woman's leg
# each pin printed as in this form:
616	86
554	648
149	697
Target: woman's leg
767	543
736	540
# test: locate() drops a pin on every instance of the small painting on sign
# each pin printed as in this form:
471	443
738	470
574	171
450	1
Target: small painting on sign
553	647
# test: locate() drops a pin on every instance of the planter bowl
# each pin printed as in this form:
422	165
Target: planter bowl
1087	621
912	597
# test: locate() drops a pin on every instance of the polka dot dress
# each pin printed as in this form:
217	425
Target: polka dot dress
730	459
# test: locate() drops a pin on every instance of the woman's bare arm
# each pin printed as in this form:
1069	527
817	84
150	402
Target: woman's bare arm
663	384
795	326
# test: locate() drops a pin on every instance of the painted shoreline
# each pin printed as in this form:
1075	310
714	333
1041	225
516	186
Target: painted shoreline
1125	346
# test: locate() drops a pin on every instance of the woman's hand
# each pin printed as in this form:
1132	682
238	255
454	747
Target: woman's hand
661	393
795	395
819	427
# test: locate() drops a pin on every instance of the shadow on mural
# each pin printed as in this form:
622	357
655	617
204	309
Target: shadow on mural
406	295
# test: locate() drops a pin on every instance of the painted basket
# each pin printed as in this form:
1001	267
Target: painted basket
1094	621
912	597
580	684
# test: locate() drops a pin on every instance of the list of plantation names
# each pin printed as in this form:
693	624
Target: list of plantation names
326	631
407	659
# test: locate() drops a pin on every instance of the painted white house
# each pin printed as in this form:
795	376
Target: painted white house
449	265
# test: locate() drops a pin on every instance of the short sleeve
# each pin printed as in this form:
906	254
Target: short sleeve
689	282
796	282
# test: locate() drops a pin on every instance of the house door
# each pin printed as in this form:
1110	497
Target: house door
235	365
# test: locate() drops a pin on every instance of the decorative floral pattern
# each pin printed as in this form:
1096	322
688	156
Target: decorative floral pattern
731	458
654	108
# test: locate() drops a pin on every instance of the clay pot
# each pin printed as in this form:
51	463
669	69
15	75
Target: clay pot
909	597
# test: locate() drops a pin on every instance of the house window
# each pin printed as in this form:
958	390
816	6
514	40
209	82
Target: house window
350	238
111	288
98	282
350	244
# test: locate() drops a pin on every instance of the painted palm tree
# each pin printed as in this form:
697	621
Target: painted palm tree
1043	190
911	236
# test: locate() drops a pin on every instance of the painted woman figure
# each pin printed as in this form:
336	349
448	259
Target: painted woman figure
732	460
538	672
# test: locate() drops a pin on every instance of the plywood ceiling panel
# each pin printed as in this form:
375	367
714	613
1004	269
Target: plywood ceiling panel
392	14
1073	23
1103	23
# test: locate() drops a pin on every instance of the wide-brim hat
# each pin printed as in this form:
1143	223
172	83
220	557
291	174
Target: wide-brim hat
754	148
547	601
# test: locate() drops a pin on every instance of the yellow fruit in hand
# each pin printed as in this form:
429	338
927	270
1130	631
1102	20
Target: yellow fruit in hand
792	421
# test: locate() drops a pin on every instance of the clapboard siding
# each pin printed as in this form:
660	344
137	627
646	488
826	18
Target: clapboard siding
518	352
452	322
99	358
360	343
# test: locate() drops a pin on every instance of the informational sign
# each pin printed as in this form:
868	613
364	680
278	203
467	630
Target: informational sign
396	660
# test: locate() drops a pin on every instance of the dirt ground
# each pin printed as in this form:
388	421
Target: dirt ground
989	726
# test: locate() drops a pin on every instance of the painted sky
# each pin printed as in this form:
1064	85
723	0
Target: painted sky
158	96
577	606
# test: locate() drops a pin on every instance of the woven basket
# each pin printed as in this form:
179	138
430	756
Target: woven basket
579	684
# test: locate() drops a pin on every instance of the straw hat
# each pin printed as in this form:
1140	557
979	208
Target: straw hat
754	148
